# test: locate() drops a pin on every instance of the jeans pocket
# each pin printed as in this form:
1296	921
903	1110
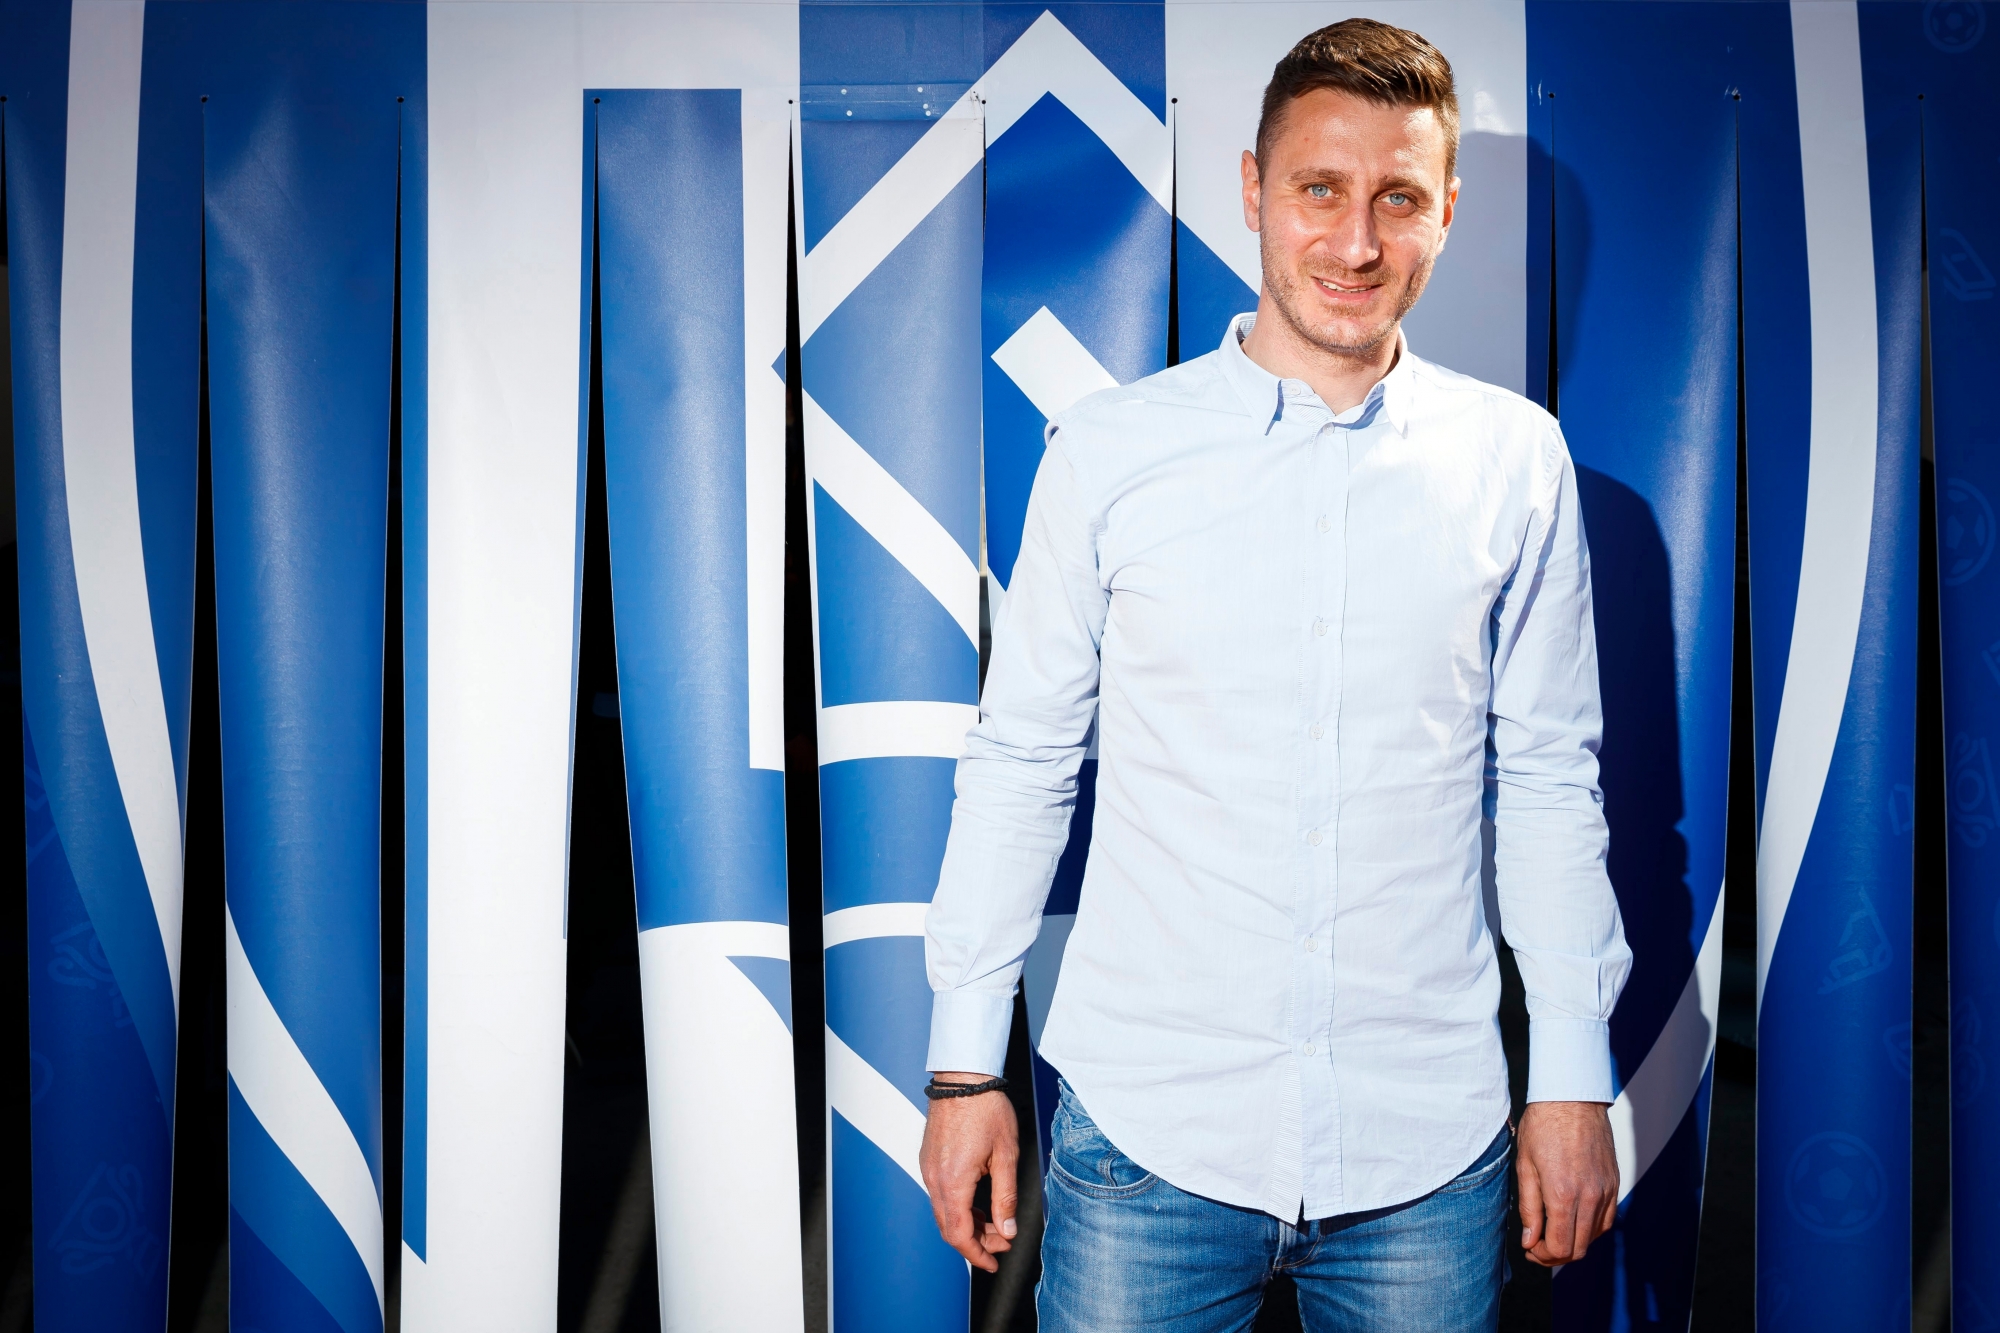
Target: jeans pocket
1087	1161
1491	1163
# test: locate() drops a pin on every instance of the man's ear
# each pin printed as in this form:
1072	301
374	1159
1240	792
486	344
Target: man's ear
1450	210
1253	192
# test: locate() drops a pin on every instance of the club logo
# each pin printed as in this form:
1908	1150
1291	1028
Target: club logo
1954	26
1834	1186
1966	536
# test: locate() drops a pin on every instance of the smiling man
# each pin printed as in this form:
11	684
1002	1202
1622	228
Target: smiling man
1326	605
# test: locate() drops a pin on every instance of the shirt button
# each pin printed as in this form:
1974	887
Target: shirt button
1311	944
1324	526
1309	1048
1319	628
1313	837
1317	731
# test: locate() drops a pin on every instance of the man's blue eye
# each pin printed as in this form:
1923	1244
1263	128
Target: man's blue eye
1398	200
1318	191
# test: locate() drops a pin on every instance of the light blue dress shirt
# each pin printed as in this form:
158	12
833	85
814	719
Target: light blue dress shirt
1316	649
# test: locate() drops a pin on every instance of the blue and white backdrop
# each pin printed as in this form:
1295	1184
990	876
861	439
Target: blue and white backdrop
992	210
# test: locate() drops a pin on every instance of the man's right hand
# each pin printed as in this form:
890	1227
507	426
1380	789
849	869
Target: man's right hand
966	1138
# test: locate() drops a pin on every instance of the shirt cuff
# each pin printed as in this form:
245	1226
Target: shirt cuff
969	1031
1569	1060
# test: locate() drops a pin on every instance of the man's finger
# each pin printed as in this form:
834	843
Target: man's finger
1559	1230
1005	1170
1531	1206
951	1206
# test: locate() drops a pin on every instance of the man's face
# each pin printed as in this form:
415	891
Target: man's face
1351	208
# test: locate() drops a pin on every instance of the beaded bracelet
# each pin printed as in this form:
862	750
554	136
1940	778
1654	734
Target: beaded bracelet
938	1092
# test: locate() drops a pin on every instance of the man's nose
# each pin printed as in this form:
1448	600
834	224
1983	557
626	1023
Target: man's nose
1354	239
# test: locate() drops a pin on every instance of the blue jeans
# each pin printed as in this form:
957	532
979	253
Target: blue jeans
1124	1249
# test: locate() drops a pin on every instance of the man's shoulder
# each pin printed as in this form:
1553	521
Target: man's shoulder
1505	408
1126	414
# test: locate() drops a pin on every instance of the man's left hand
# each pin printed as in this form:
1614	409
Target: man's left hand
1568	1173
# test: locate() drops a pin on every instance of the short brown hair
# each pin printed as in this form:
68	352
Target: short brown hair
1393	66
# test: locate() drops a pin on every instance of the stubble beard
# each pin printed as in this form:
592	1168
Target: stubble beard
1286	295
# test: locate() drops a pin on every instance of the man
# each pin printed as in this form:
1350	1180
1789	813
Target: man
1326	604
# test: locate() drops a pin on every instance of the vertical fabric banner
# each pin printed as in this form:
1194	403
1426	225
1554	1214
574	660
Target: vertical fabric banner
103	225
1831	299
301	159
1220	53
1079	200
889	202
1636	155
1957	59
506	309
691	261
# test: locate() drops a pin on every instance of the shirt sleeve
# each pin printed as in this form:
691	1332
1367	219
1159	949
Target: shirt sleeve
1016	785
1557	908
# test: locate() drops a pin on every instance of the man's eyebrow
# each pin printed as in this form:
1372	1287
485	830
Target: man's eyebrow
1307	175
1407	184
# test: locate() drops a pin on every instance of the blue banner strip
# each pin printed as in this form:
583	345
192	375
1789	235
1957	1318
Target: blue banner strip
707	829
302	140
1827	147
1955	49
1639	160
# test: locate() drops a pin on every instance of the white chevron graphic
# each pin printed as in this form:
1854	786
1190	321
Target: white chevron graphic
1046	59
868	1101
1840	471
874	1105
1652	1104
873	498
921	728
100	470
1050	365
295	1109
873	921
890	211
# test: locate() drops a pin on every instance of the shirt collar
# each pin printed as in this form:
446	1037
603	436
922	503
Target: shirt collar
1264	394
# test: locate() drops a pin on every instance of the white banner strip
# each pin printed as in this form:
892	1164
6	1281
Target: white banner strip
1840	476
100	472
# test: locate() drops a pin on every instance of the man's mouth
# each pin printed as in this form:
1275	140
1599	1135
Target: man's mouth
1341	289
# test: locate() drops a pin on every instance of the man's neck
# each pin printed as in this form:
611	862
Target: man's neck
1340	381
